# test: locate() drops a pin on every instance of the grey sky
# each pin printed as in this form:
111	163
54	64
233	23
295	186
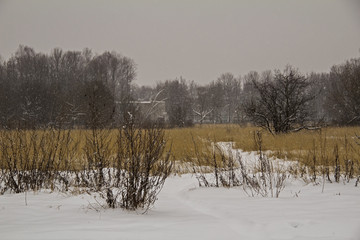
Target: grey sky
198	39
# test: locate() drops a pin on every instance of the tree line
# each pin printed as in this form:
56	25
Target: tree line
80	89
37	89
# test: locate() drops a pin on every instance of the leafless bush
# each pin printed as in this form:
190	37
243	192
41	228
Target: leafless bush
357	142
139	170
32	159
265	180
337	164
348	163
98	158
129	176
214	167
331	164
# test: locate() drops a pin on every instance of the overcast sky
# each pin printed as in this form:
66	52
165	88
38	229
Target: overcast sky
195	39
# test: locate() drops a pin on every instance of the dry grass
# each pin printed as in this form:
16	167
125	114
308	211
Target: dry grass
301	146
181	139
308	147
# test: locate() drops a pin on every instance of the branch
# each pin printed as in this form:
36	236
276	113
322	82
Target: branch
197	113
267	122
306	128
358	138
353	119
202	114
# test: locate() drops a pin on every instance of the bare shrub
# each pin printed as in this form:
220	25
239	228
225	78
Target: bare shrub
139	169
214	167
265	180
324	160
129	175
337	164
348	162
357	142
32	159
98	158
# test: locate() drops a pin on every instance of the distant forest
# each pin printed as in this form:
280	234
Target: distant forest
80	89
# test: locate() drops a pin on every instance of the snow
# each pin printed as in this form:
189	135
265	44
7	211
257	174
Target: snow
249	159
185	211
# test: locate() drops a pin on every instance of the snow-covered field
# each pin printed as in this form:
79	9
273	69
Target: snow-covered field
185	211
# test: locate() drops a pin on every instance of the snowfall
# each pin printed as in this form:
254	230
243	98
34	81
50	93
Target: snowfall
184	210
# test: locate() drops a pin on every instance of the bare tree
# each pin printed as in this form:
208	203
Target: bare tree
202	108
320	88
282	102
248	92
99	105
178	101
344	92
216	101
231	88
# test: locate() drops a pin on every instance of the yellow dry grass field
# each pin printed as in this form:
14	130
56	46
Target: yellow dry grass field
304	146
